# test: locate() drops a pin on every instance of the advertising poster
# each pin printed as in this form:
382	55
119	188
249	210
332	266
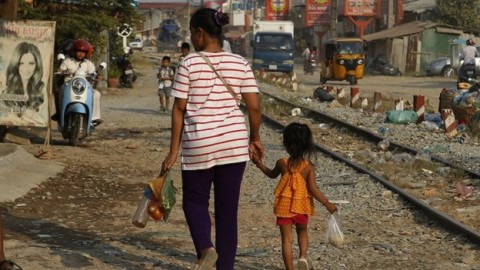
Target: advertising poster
26	57
360	7
317	12
213	4
277	10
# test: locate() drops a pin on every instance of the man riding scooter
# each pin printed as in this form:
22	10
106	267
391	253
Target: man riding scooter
467	69
78	62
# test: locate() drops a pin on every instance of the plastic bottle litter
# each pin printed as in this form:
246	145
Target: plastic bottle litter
435	149
141	216
383	145
423	155
296	112
383	130
403	158
462	128
431	126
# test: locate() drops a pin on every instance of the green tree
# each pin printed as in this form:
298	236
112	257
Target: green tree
82	19
461	13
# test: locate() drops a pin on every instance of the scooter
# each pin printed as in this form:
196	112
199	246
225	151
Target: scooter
76	107
467	73
310	67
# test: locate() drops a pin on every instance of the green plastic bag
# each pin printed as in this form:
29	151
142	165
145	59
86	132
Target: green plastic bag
168	196
402	117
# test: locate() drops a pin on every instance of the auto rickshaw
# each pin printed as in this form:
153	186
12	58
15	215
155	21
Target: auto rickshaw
344	60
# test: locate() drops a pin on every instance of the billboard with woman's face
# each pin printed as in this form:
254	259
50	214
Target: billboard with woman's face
26	57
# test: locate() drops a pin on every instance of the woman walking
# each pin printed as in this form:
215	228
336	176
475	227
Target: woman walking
216	144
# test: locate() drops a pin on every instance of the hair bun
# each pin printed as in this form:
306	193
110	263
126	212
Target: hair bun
221	18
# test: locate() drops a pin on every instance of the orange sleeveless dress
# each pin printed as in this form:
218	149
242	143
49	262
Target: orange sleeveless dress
291	193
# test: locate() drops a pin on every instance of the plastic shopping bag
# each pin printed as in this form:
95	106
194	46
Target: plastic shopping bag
335	230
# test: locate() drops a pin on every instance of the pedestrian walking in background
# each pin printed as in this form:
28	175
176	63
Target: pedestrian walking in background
293	194
210	127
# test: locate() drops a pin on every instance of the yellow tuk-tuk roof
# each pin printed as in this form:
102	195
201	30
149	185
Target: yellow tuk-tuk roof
336	40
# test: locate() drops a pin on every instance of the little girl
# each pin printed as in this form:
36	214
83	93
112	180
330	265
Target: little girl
293	194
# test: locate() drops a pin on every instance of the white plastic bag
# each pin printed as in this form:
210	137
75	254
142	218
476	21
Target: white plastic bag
335	230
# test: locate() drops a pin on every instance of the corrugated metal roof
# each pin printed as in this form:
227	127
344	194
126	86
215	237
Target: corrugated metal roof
401	30
419	6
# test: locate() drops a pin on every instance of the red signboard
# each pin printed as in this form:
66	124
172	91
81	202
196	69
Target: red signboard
317	12
214	4
277	10
360	7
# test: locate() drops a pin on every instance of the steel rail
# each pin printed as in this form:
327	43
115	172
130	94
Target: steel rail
370	135
444	219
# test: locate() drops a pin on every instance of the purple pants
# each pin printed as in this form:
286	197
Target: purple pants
197	184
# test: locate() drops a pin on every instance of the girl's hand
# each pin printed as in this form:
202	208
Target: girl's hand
168	163
331	207
255	159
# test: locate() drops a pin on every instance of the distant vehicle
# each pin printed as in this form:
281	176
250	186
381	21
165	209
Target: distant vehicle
273	46
168	35
440	67
136	44
380	66
169	29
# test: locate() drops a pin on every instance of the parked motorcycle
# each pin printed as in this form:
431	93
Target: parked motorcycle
380	66
128	76
76	107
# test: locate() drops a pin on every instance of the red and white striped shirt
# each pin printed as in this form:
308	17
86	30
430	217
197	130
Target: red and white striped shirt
214	127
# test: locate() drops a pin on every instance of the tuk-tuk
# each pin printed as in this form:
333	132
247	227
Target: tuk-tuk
344	60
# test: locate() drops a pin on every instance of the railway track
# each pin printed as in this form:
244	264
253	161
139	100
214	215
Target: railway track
347	143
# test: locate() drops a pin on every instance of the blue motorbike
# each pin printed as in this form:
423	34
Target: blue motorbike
76	107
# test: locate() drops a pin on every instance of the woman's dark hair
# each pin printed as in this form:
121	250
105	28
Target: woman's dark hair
34	88
297	139
210	20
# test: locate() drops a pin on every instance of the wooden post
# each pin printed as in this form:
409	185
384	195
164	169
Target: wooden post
419	107
377	101
8	10
354	96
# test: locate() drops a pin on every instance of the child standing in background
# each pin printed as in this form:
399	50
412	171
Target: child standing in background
185	50
165	81
293	194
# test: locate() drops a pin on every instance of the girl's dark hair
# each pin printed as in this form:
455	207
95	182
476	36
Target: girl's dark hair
297	139
210	20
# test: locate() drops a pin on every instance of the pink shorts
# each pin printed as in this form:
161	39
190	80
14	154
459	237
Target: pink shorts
298	219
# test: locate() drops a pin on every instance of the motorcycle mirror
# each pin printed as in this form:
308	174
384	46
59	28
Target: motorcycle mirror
60	57
103	65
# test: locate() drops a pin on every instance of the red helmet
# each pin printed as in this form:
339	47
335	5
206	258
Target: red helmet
84	46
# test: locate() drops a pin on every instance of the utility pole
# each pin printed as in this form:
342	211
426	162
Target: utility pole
333	19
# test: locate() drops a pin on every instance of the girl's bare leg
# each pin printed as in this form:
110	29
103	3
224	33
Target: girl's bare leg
302	234
287	243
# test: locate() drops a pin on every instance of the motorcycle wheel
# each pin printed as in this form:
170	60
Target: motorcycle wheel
76	127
